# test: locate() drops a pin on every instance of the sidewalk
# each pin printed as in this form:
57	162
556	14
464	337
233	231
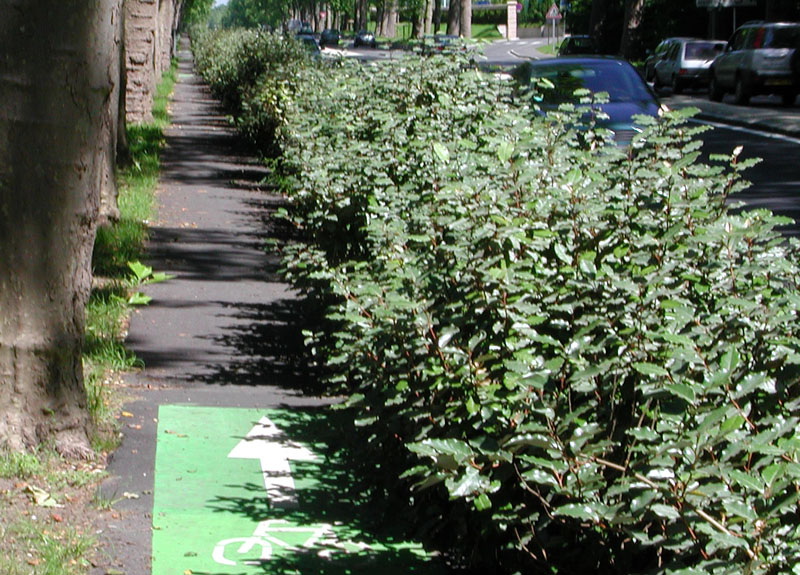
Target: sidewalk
224	331
229	463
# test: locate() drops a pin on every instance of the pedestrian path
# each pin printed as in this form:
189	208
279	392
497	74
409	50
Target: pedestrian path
224	426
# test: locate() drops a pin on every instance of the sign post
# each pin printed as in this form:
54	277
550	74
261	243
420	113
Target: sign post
553	16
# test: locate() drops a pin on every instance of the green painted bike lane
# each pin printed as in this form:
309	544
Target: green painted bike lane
247	491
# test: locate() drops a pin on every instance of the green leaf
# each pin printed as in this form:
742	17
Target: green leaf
504	151
138	298
578	511
730	360
746	480
482	502
665	511
470	482
682	390
650	369
441	152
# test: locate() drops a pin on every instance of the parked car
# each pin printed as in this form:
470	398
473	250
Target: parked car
577	44
628	94
329	37
364	38
686	64
758	59
657	55
309	43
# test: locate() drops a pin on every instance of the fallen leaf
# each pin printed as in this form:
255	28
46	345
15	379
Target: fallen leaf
41	497
126	414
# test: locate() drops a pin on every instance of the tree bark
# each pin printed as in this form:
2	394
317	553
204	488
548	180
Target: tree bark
55	80
109	210
597	20
466	18
429	16
454	17
437	15
418	22
389	20
630	29
360	21
123	151
141	24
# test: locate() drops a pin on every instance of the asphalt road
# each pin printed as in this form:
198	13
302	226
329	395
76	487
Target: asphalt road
765	130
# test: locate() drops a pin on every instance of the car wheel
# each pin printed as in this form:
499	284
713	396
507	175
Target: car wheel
741	95
788	98
715	93
677	88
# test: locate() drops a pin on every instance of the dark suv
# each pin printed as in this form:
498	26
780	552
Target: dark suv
758	59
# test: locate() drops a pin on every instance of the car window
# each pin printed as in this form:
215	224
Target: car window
781	37
673	53
621	84
701	50
739	39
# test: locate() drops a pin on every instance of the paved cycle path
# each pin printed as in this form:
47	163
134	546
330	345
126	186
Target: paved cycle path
229	462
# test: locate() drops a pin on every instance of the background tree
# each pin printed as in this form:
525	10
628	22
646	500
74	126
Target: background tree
634	10
56	74
454	17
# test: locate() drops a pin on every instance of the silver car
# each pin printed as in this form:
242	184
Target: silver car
685	64
758	59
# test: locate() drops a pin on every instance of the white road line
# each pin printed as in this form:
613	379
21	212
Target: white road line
750	131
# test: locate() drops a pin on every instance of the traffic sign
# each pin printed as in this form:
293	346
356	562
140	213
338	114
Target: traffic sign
244	491
553	13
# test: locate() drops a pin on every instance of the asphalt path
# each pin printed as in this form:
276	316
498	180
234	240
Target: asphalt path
224	331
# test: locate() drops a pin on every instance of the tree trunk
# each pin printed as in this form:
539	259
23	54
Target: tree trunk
123	149
630	30
418	23
109	211
437	15
597	21
454	17
55	80
389	20
429	16
360	21
466	19
141	23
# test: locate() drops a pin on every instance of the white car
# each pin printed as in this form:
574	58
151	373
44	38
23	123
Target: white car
758	59
686	64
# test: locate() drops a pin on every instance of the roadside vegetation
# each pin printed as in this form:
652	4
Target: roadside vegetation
563	355
48	505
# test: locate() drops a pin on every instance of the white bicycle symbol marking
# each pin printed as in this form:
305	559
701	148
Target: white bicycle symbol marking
262	537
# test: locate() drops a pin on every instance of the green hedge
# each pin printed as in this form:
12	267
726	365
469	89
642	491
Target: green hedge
582	359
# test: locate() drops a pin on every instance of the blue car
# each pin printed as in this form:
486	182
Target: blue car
628	94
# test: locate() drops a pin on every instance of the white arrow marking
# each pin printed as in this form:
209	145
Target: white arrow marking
270	446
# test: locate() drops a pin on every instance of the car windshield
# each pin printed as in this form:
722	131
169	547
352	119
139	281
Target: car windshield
702	50
621	83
